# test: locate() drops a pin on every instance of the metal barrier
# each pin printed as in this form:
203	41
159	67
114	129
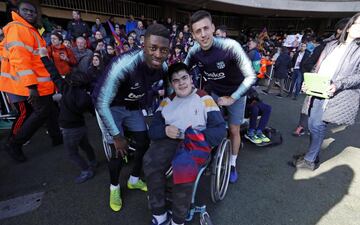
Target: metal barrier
110	7
6	109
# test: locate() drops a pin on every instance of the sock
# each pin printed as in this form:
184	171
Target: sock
113	187
233	160
173	223
160	218
251	132
133	180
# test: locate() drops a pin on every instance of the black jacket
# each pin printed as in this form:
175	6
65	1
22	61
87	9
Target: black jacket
304	58
74	102
78	28
282	66
310	62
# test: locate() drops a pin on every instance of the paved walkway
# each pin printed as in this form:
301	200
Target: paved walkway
268	192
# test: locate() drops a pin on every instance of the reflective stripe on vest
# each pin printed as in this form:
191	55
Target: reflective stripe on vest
43	79
39	79
19	43
24	73
8	75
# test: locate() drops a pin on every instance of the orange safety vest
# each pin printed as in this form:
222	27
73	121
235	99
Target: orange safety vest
263	64
21	65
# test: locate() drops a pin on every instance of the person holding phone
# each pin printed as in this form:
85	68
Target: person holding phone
63	58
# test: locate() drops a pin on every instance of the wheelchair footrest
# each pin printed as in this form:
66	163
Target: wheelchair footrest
195	209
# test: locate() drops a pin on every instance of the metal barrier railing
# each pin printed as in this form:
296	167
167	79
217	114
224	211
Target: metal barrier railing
6	109
110	7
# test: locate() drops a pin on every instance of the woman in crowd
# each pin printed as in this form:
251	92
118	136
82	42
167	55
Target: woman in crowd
131	42
340	61
95	70
62	56
110	54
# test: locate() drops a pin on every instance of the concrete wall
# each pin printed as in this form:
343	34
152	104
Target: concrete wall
300	5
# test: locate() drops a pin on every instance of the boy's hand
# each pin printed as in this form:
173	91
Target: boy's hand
172	131
43	52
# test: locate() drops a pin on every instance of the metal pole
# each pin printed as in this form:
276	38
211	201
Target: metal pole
5	102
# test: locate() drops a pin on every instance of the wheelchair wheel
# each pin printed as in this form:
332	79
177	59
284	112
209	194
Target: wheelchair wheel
220	173
107	149
205	219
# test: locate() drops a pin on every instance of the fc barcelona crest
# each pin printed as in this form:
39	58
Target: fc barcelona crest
220	65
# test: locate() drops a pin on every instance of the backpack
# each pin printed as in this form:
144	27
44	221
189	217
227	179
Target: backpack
274	135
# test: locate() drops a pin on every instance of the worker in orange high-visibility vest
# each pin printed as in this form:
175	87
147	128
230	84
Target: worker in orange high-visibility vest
25	79
264	63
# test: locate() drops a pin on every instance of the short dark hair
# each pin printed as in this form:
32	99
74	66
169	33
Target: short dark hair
157	30
344	32
284	50
26	2
199	15
58	35
222	28
78	78
176	67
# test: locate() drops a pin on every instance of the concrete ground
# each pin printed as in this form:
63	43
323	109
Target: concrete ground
268	191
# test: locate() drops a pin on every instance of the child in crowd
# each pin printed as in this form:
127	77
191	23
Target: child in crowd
75	101
254	108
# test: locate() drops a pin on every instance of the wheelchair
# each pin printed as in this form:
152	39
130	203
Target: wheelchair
219	167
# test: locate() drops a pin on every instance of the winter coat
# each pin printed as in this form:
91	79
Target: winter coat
20	60
64	67
342	108
282	66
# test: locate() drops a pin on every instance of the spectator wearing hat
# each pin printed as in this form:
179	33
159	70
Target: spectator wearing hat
63	57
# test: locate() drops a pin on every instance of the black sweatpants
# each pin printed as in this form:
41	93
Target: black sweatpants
75	138
42	110
157	161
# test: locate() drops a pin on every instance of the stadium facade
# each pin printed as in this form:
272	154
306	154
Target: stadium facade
287	15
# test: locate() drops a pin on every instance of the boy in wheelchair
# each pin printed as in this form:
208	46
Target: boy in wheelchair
254	108
186	113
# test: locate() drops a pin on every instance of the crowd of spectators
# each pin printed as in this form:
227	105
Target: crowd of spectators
76	58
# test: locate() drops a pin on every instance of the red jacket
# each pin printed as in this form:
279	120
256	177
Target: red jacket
64	67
